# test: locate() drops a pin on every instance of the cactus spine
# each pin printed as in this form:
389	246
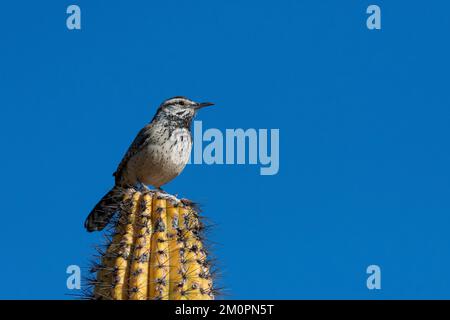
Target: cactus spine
155	252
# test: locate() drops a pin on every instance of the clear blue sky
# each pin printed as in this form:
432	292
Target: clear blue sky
364	127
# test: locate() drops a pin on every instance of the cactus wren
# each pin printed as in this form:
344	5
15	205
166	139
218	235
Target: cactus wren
158	154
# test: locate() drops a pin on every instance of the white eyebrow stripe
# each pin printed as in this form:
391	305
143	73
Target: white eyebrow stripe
177	100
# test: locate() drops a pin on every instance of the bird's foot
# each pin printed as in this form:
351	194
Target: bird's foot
141	186
159	189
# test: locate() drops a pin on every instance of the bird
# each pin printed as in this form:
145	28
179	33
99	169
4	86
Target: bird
157	155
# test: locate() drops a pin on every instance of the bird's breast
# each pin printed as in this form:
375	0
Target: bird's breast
160	162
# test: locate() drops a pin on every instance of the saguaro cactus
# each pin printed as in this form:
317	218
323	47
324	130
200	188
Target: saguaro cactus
155	251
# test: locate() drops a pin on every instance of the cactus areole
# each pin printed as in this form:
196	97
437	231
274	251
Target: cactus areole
155	251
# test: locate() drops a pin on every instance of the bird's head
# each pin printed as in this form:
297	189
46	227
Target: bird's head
180	109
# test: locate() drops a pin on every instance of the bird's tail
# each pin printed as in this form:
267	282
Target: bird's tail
104	210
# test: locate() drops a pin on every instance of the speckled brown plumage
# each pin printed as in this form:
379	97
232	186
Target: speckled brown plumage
157	155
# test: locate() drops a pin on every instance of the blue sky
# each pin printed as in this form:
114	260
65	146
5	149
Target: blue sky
364	126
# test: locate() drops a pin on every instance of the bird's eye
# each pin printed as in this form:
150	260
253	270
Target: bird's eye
181	103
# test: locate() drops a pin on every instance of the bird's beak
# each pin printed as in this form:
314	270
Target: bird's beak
202	105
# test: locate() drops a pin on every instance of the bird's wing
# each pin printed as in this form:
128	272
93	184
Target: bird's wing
140	141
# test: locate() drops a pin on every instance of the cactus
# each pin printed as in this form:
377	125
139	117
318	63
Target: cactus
155	251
